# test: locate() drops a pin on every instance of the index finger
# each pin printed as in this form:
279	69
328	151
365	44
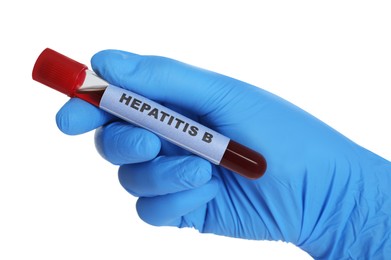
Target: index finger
78	116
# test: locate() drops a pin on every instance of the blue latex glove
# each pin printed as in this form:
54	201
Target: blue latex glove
321	191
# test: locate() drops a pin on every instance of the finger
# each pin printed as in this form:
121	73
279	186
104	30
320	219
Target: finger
168	210
165	175
122	143
166	80
78	116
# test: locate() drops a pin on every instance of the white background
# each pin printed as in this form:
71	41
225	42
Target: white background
60	200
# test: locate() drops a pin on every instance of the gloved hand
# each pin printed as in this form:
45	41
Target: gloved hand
321	191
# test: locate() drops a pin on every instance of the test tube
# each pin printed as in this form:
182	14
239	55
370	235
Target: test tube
75	80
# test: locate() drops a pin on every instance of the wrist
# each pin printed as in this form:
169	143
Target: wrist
360	224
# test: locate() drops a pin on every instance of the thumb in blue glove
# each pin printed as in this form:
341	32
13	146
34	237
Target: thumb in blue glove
321	192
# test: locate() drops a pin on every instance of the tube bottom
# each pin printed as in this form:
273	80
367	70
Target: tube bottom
243	161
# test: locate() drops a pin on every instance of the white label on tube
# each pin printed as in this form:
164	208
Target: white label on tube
164	122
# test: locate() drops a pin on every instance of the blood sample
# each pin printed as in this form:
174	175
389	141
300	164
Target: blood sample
76	80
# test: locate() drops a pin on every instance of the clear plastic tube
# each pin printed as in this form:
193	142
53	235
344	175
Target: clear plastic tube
75	80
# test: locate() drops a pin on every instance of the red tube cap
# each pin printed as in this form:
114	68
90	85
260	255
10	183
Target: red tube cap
59	72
